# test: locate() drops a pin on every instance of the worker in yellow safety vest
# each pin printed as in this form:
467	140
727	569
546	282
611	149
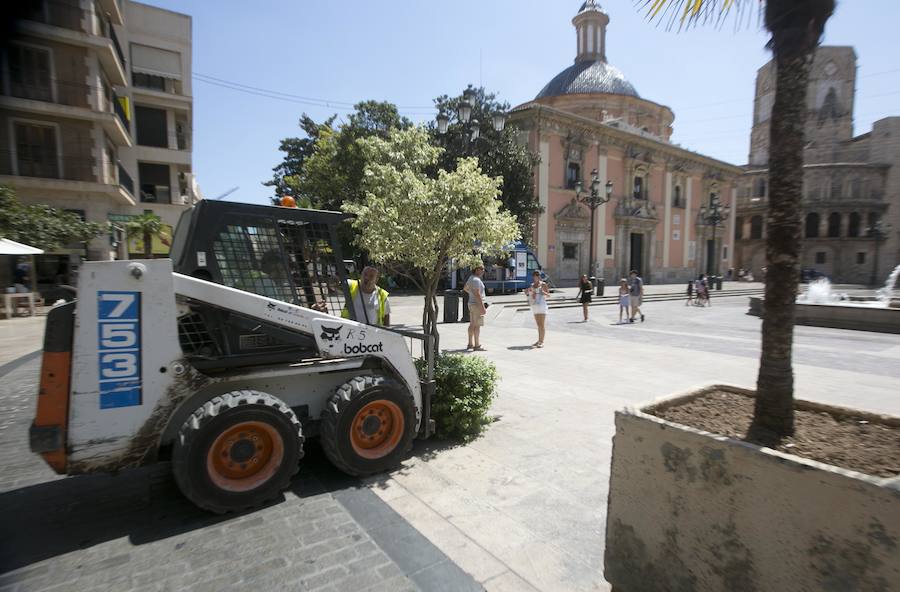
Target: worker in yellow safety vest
370	303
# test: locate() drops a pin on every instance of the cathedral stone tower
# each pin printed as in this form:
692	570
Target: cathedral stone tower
832	85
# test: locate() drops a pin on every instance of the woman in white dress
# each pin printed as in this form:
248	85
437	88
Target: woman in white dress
537	294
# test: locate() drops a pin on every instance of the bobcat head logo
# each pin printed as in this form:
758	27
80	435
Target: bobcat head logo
330	333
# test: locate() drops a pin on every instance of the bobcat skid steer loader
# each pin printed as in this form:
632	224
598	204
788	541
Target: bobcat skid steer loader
224	358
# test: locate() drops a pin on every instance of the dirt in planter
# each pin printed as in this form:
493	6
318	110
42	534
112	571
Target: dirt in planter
847	442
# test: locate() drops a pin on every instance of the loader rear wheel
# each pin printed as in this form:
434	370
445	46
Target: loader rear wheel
368	425
237	451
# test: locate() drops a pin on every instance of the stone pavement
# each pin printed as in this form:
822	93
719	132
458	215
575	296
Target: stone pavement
522	508
135	532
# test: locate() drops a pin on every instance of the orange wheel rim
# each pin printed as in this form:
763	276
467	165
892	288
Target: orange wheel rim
377	429
245	456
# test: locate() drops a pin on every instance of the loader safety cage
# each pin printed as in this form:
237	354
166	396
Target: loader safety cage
289	254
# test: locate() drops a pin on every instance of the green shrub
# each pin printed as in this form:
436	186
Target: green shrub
465	387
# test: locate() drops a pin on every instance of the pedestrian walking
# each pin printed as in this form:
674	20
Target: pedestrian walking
477	308
624	303
537	294
585	287
636	295
690	293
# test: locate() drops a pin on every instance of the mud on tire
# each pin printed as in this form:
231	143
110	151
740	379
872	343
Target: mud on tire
238	451
368	425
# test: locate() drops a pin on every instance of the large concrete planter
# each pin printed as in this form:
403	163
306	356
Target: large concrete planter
692	511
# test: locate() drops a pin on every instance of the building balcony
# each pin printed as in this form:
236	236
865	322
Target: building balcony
113	124
108	49
163	155
54	173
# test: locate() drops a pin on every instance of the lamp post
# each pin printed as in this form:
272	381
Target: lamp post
471	132
593	200
713	215
878	232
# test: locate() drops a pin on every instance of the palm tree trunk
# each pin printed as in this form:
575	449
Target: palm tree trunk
148	245
793	49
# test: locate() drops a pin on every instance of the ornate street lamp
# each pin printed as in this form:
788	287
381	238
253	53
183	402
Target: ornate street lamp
471	128
713	215
878	232
593	200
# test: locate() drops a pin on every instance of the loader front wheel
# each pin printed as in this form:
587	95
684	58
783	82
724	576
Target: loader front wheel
368	425
237	451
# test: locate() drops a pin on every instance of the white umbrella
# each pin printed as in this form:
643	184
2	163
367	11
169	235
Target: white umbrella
10	247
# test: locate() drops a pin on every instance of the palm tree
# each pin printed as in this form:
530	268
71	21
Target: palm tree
147	226
796	28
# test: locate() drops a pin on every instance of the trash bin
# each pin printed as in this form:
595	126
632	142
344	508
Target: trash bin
601	285
465	307
718	282
451	306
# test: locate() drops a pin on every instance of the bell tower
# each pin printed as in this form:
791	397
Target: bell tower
590	28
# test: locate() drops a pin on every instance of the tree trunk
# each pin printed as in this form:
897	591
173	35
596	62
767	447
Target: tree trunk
774	409
148	245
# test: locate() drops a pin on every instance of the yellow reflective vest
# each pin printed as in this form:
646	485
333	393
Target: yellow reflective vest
354	294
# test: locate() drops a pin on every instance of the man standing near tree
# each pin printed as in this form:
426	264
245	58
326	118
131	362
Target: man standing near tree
477	307
370	302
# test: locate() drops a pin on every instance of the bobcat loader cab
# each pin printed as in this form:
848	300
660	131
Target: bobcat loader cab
224	358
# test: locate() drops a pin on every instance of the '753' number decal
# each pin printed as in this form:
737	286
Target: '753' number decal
119	348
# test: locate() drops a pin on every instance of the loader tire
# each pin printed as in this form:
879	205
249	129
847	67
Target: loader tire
368	425
238	451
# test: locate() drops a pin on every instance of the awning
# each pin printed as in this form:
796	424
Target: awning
155	61
9	247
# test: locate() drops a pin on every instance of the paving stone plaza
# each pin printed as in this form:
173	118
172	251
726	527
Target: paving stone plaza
521	508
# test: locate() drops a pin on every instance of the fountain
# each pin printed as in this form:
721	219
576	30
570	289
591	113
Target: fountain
820	306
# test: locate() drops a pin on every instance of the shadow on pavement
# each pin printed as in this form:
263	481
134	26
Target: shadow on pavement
144	504
57	517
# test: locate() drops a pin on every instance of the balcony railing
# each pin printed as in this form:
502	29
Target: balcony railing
47	164
51	90
125	180
115	40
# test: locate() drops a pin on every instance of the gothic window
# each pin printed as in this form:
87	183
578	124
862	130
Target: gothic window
853	225
759	187
573	175
834	225
738	228
756	227
812	225
873	221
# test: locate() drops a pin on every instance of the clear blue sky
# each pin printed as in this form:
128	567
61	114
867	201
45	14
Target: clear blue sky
410	51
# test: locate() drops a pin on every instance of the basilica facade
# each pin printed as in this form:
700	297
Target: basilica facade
589	118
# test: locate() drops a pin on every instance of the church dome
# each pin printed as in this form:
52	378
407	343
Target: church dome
591	73
589	77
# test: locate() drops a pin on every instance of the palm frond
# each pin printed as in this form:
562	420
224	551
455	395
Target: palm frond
681	14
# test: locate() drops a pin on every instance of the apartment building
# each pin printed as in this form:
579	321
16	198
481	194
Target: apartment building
96	118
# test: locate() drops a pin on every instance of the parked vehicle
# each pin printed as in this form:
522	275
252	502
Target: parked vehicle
513	273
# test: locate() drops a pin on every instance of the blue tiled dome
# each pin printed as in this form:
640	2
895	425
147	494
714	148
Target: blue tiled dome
589	77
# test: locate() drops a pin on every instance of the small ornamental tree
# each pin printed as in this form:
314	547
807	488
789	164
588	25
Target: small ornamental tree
414	223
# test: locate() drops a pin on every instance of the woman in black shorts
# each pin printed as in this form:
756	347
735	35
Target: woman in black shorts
584	291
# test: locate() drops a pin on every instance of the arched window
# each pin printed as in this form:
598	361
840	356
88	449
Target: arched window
759	187
676	197
573	175
638	187
873	221
834	225
812	225
853	225
756	227
738	228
